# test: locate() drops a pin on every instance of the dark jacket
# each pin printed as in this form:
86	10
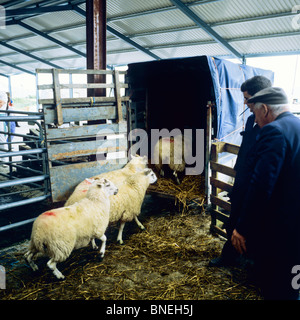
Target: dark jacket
270	217
242	171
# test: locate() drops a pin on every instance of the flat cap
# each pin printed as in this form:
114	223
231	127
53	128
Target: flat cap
272	95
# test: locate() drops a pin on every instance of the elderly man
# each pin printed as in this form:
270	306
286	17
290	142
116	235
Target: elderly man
251	86
269	223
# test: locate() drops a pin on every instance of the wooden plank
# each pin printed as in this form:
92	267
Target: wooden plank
65	178
219	146
82	86
220	202
221	216
79	71
76	71
217	167
221	184
57	98
231	148
218	230
82	100
85	131
85	148
118	95
82	114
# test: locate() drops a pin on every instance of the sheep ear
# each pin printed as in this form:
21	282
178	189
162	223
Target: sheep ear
147	171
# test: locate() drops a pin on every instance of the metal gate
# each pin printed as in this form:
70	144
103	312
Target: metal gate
24	176
85	136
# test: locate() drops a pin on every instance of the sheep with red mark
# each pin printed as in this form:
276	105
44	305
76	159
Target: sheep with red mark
136	164
56	233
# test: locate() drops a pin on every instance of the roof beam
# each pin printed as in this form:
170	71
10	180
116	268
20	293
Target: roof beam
25	12
122	36
16	67
199	22
46	36
131	42
28	54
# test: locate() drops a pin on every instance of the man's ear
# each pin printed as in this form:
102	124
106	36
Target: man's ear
265	109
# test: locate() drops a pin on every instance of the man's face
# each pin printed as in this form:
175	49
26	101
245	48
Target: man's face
261	115
247	96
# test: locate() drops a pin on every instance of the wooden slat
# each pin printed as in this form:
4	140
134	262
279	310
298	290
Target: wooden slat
221	184
75	71
218	230
85	148
231	148
85	131
221	216
82	86
79	71
118	95
222	169
220	202
82	100
65	178
57	98
81	114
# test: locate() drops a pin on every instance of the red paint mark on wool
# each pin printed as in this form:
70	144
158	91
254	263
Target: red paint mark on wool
49	213
85	190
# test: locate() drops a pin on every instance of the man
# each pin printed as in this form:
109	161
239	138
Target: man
251	86
269	222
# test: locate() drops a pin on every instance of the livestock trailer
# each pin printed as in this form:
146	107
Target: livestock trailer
191	93
86	133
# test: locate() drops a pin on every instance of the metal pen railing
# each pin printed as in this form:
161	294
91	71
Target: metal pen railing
24	174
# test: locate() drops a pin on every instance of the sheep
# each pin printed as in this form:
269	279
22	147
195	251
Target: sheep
56	233
136	164
170	151
126	205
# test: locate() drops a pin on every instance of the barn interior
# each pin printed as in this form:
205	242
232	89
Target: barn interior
169	260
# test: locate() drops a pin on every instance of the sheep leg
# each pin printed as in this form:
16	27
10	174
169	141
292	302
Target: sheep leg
29	256
176	177
119	239
103	245
52	266
94	246
139	223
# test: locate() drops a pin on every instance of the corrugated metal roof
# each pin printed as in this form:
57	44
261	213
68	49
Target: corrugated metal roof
166	28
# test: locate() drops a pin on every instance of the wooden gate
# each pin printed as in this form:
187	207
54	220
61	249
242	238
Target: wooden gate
77	147
221	208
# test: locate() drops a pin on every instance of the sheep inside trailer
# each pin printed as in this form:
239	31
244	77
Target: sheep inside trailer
198	93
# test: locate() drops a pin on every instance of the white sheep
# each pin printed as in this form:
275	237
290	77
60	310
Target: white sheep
126	205
56	233
136	164
170	151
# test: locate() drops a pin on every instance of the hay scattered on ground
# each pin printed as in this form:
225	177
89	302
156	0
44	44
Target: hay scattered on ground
166	261
191	191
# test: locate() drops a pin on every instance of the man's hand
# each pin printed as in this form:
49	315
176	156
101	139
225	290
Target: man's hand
238	241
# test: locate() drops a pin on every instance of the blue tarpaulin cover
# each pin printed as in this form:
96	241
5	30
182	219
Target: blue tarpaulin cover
227	78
